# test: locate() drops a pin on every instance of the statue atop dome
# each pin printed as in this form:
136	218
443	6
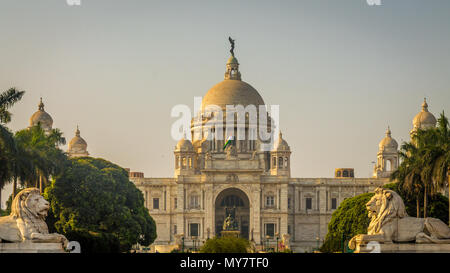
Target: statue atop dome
232	46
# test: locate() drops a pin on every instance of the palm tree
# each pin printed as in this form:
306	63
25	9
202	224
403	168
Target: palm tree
425	166
39	156
440	155
408	173
7	144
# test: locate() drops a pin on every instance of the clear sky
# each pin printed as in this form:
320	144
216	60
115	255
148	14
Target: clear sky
341	71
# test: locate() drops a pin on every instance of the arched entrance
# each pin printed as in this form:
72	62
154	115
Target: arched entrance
233	198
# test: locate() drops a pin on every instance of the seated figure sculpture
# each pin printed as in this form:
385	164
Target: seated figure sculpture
391	224
26	223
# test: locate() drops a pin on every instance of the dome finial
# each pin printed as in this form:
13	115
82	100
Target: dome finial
388	131
41	105
232	72
77	132
425	105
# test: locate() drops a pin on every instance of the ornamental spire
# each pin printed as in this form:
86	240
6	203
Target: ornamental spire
424	105
77	132
41	105
232	72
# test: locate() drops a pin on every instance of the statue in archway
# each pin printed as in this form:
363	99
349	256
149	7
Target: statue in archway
230	221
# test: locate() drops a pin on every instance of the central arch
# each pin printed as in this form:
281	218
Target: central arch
233	197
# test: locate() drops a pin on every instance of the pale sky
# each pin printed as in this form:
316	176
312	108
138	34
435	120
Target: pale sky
341	71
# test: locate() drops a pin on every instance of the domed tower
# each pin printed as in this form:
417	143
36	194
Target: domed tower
424	119
41	117
233	96
280	157
387	157
184	157
77	146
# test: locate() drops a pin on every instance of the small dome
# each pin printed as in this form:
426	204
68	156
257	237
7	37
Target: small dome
77	145
281	144
232	60
184	145
388	143
424	119
42	117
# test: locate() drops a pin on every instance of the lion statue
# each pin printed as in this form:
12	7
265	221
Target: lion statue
26	221
389	223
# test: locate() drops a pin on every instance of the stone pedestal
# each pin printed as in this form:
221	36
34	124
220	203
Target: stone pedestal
374	247
230	233
30	247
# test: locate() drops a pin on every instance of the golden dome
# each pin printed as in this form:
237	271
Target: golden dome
232	92
77	144
424	119
184	145
42	117
388	143
281	144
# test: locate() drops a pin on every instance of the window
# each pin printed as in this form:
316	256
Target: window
333	203
194	201
274	162
270	201
308	203
345	173
289	229
232	201
174	229
193	230
155	203
175	202
289	202
280	162
270	230
183	163
338	174
285	162
190	162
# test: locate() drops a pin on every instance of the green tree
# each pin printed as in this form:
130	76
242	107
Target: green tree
225	245
38	157
7	144
93	202
425	163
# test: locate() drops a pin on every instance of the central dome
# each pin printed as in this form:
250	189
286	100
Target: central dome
232	92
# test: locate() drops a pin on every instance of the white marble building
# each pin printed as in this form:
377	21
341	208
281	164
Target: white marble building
269	202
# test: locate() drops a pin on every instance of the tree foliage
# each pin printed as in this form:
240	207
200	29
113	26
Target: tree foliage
225	245
93	202
351	217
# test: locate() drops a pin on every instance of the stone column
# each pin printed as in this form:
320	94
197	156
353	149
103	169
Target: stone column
255	212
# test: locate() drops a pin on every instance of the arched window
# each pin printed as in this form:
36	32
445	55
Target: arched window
274	162
190	162
286	163
280	162
345	173
338	174
183	163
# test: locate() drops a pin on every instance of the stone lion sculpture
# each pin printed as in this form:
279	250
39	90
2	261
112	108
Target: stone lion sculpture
391	224
26	221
